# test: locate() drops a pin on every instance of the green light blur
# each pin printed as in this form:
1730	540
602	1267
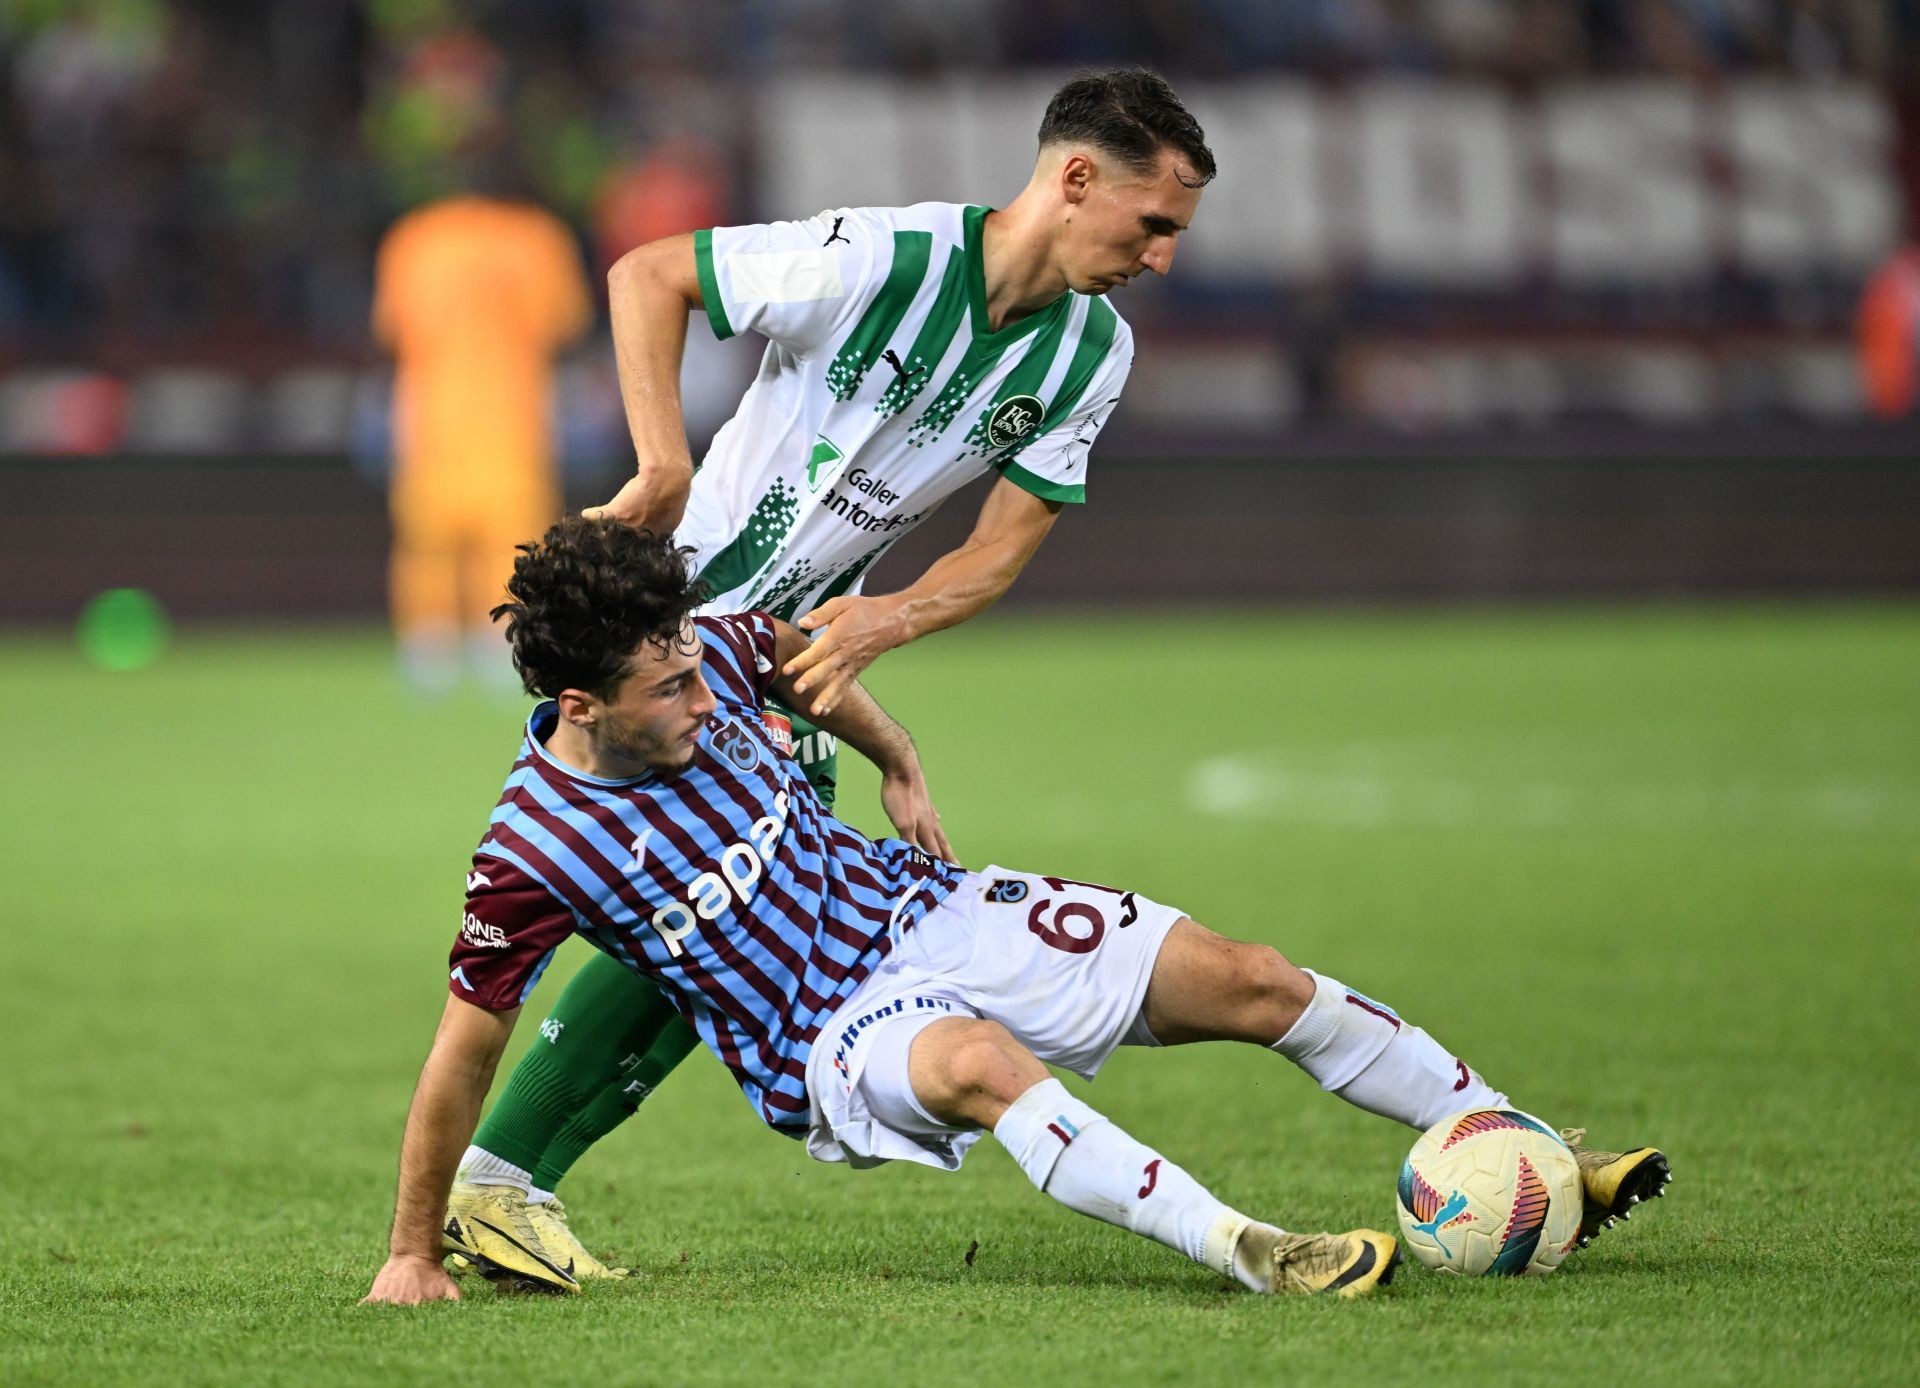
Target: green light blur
124	629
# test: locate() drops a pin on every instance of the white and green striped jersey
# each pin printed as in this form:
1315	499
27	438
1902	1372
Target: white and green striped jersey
882	393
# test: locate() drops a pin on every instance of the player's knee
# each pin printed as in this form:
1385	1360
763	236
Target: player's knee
969	1070
1269	990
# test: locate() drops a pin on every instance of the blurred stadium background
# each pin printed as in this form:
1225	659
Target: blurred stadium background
1492	298
1544	305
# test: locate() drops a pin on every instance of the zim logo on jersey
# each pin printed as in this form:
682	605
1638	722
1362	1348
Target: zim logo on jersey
1013	419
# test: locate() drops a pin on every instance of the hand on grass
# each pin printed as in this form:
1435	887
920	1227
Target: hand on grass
409	1279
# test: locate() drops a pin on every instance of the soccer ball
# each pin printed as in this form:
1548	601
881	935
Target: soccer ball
1490	1192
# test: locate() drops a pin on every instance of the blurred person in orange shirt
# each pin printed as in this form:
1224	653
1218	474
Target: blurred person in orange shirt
474	296
680	184
1889	334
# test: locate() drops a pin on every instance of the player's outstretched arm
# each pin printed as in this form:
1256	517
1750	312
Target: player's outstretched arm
650	291
958	585
859	721
446	1107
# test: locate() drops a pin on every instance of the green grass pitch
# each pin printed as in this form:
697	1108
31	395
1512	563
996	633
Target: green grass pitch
1655	871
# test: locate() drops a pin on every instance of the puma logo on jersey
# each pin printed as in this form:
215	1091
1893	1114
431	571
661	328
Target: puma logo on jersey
835	234
892	358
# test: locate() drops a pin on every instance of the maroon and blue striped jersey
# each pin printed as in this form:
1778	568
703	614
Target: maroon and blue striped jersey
728	884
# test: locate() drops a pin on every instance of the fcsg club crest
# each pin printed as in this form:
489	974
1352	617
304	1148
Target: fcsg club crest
1013	419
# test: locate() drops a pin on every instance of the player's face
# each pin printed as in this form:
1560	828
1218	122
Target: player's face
655	715
1123	224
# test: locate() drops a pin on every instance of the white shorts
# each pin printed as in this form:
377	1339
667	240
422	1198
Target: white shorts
1063	965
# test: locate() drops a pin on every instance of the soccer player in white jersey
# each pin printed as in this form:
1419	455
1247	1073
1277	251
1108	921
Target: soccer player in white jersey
909	350
869	996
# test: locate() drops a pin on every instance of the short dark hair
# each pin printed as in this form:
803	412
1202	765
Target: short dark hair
1132	114
586	595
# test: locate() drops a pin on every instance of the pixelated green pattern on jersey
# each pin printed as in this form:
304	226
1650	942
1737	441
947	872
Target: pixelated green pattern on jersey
911	251
980	359
757	541
936	335
851	576
783	597
1096	340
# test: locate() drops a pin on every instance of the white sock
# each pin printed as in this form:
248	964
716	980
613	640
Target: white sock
482	1168
537	1196
1086	1162
1363	1052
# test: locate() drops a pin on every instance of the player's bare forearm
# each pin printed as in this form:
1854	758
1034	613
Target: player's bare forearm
446	1108
965	582
959	585
858	720
650	292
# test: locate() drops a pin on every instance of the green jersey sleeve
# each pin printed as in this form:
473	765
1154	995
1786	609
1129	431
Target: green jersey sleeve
800	284
1054	464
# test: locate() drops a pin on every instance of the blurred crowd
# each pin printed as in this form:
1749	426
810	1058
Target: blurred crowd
213	175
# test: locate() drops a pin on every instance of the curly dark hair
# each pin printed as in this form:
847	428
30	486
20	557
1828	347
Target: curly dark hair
1132	114
586	595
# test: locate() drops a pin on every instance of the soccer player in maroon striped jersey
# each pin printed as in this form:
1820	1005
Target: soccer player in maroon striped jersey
870	997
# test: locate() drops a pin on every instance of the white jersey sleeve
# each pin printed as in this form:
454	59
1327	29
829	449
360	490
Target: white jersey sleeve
1054	465
800	284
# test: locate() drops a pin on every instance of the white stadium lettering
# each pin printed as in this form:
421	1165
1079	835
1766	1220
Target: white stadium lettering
1443	182
1436	177
1630	201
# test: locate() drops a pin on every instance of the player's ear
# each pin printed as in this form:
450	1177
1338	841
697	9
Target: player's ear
577	706
1076	177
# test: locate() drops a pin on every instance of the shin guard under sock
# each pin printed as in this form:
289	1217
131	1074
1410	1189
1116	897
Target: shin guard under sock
1090	1165
1366	1054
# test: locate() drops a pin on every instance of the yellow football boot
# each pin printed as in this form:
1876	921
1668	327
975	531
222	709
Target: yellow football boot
1350	1264
549	1220
1614	1182
489	1227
